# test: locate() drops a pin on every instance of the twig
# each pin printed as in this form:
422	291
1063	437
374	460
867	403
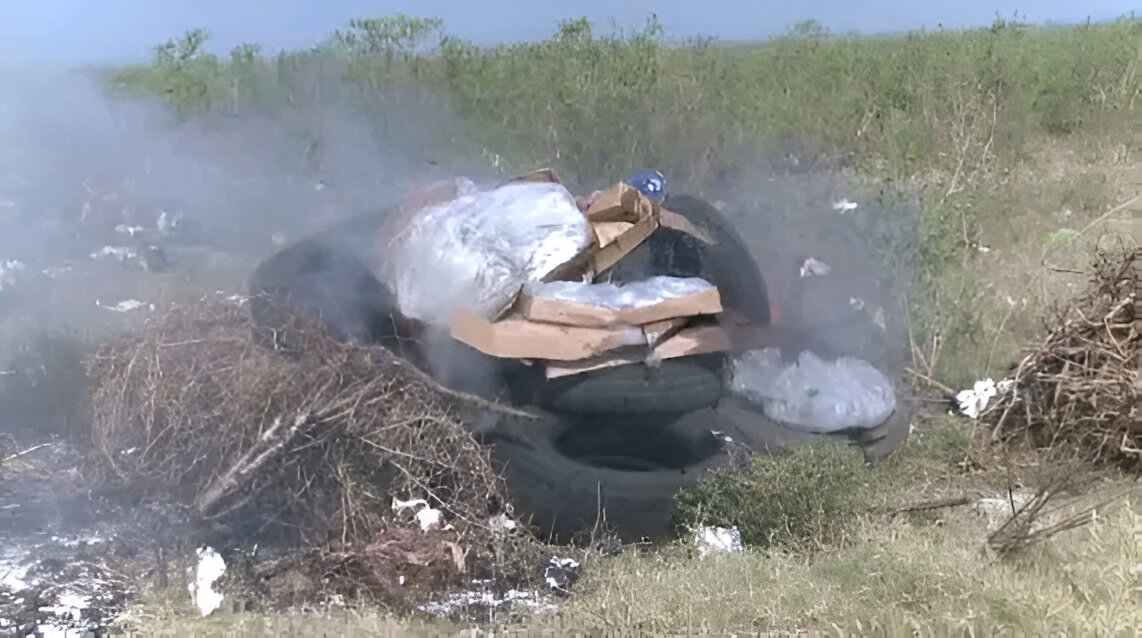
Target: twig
942	503
13	457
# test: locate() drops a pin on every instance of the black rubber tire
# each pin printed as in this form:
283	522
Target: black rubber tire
326	276
565	495
675	386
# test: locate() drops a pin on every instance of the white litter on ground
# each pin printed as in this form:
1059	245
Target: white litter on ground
122	253
815	268
10	270
560	572
843	206
717	539
211	567
973	401
129	230
126	306
462	600
501	522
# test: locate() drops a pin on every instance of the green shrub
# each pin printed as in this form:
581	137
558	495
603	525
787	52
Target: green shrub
807	496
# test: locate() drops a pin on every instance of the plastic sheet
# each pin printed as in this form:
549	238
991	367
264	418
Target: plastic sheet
479	250
638	294
813	395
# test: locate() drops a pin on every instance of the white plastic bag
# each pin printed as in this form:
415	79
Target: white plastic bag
479	250
814	395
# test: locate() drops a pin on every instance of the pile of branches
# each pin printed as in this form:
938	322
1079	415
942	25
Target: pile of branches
1074	392
317	442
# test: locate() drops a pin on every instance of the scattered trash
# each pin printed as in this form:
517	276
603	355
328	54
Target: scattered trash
972	402
561	573
717	539
813	395
210	568
126	306
122	253
461	601
129	230
502	523
10	270
843	206
815	268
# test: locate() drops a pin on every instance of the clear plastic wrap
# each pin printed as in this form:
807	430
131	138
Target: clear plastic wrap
813	395
638	294
479	250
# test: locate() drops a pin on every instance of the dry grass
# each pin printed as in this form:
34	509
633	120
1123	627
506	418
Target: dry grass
897	572
316	444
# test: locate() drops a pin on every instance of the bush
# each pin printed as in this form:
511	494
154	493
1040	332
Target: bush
799	499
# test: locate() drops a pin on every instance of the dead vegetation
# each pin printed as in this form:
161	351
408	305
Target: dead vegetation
318	444
1073	394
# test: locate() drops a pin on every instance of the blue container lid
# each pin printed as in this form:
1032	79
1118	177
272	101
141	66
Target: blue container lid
649	182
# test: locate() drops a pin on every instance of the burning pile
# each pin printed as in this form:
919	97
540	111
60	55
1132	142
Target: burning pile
1075	393
539	258
322	441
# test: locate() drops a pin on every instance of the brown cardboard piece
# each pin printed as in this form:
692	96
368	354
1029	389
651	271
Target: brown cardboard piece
706	302
689	341
514	337
620	204
538	175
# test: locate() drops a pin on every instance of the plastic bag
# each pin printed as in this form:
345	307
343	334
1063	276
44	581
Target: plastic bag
636	294
813	395
479	250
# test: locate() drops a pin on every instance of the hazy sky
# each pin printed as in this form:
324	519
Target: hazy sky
106	30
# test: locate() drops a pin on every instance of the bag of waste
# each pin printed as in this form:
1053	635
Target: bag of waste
813	395
479	249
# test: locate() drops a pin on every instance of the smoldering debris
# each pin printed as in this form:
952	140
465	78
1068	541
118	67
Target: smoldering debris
325	438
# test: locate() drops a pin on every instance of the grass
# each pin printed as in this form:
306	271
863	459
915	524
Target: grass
896	571
1010	140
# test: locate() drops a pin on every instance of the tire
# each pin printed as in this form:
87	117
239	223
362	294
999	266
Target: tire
676	386
326	276
570	476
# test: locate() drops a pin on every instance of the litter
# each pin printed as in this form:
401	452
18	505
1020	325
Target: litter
717	539
813	395
973	401
210	568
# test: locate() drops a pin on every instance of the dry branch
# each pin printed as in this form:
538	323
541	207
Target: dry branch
1073	393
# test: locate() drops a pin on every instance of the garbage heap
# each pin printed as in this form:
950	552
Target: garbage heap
535	254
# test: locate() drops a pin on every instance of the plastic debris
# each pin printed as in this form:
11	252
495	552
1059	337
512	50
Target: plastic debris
815	268
813	395
498	240
210	568
843	206
717	539
637	294
10	270
561	573
973	401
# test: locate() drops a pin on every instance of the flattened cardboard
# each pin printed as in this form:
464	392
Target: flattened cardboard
514	337
674	221
538	175
621	203
688	341
706	302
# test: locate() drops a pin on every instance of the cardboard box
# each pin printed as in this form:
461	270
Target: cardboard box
688	341
514	337
623	218
706	302
538	175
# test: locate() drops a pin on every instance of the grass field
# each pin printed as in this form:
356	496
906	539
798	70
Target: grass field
1018	144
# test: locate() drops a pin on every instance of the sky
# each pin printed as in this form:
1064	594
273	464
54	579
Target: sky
87	31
